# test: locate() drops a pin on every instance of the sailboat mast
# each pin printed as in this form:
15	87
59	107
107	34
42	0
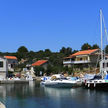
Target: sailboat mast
101	34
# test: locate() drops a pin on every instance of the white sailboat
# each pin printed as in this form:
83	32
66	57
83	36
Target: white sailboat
100	82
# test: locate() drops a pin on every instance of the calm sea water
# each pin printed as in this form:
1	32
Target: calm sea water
33	96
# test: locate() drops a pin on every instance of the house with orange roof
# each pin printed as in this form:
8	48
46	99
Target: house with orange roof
11	62
82	58
43	63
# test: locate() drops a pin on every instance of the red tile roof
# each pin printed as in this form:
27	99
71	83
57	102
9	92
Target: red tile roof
10	57
39	62
85	52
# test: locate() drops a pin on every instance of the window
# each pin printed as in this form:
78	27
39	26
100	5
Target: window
107	64
103	65
13	62
1	64
80	59
11	65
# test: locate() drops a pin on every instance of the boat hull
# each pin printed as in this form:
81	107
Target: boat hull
61	84
97	84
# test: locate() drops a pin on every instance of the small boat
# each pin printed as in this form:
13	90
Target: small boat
59	81
29	76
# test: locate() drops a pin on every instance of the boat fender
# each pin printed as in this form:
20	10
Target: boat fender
88	85
94	84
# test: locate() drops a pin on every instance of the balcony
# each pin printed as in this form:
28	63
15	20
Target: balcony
67	62
76	62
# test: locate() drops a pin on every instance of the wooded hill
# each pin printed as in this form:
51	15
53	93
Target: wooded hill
55	58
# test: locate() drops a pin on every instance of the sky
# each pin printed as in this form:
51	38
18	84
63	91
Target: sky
50	24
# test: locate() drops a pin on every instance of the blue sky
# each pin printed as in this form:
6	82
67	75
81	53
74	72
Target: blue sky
42	24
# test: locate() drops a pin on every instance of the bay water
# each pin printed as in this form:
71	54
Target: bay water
33	95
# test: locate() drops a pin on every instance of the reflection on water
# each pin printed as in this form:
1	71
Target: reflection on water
33	96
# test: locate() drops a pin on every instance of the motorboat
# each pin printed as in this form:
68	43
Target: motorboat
59	81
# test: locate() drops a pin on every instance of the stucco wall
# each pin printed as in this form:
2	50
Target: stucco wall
45	65
93	58
4	68
12	61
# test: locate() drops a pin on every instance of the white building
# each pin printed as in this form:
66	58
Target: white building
3	68
12	61
42	63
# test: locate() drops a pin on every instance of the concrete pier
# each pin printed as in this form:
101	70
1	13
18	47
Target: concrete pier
13	81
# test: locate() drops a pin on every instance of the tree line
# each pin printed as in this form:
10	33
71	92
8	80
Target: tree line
55	58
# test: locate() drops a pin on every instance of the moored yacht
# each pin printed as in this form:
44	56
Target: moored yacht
60	81
100	81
